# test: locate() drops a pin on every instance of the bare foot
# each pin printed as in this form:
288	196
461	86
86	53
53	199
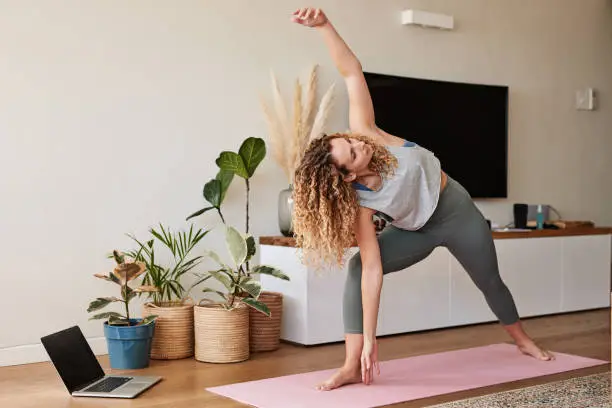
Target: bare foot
533	350
341	377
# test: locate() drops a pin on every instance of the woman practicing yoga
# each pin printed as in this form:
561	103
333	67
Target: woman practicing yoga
345	179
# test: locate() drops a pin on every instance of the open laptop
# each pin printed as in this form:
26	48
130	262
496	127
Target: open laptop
80	371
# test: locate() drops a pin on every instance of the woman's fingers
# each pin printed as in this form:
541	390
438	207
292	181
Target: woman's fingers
363	370
308	16
368	370
298	16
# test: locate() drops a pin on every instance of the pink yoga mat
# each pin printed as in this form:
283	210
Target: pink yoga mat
405	379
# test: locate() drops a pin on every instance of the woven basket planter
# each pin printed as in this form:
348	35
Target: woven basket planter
264	330
221	336
173	337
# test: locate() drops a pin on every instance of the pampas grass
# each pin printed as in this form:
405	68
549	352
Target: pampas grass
276	138
309	108
294	141
289	136
322	115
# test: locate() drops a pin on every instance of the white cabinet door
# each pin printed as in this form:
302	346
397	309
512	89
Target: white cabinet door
586	272
530	267
417	298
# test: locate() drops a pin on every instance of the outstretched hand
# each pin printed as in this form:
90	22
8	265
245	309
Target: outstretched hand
309	17
369	361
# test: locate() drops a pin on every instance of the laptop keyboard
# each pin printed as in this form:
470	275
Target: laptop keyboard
108	384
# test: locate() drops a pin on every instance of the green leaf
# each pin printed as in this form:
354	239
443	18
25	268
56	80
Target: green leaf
215	257
187	266
198	213
118	321
209	290
129	293
164	238
251	249
252	151
225	177
230	161
202	277
257	305
147	320
107	315
100	303
224	279
176	289
212	193
110	277
237	246
148	248
118	258
186	243
251	286
268	270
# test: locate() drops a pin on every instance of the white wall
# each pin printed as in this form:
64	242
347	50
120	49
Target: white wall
112	113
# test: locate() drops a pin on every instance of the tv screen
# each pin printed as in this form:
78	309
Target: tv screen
464	125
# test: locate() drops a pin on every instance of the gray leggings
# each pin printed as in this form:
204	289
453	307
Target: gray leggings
456	224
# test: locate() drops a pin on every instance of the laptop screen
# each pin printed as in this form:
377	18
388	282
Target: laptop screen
73	358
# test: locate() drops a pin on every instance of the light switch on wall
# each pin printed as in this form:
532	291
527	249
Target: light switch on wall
585	99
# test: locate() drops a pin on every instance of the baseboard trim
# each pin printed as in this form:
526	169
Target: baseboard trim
36	353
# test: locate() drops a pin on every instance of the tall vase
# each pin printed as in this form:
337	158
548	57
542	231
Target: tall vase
285	210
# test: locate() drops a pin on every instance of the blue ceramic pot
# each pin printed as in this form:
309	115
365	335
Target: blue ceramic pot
129	347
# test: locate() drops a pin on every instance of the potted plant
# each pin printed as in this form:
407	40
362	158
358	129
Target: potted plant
174	337
128	338
264	330
222	328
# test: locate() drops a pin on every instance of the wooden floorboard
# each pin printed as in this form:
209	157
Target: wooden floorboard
37	385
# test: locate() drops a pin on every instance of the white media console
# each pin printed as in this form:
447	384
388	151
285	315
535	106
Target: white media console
548	272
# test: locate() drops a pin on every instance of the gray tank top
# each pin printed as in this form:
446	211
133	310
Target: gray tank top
408	198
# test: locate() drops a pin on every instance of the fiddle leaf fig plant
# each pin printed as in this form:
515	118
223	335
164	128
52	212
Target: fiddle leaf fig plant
244	163
239	286
124	272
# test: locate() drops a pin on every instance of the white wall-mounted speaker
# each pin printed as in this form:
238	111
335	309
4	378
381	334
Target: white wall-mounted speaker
427	19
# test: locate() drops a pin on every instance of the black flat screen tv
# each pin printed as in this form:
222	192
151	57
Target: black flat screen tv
465	125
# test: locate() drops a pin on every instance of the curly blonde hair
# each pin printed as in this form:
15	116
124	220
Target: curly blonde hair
325	205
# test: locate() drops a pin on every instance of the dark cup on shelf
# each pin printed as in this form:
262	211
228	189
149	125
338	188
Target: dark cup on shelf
520	215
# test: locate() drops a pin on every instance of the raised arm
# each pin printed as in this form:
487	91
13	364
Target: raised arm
361	110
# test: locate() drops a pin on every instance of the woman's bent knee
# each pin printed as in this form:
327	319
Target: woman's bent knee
354	264
353	277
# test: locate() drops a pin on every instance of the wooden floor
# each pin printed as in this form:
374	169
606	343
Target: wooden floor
37	385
